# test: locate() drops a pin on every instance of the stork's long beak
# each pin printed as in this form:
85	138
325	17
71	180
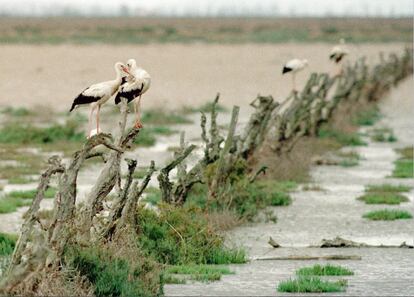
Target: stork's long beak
125	69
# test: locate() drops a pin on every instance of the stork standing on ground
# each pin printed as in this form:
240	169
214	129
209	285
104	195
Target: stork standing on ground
137	83
294	66
98	94
338	54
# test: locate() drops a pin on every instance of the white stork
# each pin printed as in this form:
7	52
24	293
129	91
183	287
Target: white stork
137	83
294	66
338	53
97	94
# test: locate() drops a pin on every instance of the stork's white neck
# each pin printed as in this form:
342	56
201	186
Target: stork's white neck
119	75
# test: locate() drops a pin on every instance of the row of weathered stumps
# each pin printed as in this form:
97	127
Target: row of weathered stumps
40	247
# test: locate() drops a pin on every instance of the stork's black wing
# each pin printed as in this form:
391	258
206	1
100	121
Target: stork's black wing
128	92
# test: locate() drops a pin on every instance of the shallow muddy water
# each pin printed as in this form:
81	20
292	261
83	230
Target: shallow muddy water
326	214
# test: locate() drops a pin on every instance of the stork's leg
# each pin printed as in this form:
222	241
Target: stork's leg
90	120
293	82
97	119
137	107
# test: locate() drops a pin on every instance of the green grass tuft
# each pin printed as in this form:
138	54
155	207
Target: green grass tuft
349	139
204	273
387	188
387	215
280	199
20	180
404	166
7	243
147	136
172	279
183	235
110	274
311	285
153	195
327	269
15	199
25	134
403	169
367	117
383	198
407	152
16	111
8	205
160	117
30	194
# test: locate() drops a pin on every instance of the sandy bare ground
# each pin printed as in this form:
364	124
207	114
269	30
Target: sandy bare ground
182	74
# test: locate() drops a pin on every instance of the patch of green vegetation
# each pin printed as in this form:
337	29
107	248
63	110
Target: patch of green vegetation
403	169
28	134
147	136
278	185
407	152
112	275
203	273
26	163
367	117
162	130
16	111
8	205
7	243
153	195
244	198
327	269
404	166
183	235
311	285
160	117
16	199
140	173
387	215
348	139
383	135
20	180
280	199
172	279
388	188
383	198
30	194
241	31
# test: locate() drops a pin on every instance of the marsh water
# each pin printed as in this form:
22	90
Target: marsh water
330	211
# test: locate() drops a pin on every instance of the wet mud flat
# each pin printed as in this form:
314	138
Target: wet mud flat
381	271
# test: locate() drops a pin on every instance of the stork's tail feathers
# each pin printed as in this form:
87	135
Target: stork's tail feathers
73	107
286	69
117	99
82	99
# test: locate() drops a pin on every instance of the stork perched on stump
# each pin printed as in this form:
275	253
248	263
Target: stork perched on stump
98	94
136	84
294	66
338	54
